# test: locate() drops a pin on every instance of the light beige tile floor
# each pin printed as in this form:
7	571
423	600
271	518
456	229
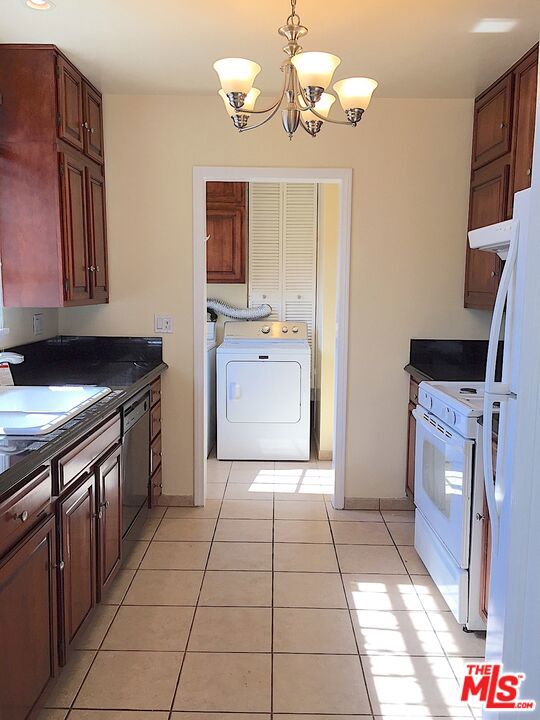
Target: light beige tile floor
268	603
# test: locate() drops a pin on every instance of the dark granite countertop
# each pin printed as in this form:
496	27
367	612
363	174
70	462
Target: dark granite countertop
449	360
126	365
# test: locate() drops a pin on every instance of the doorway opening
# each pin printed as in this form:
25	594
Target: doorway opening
295	259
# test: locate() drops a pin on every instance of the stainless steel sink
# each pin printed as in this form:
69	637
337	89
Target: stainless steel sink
28	410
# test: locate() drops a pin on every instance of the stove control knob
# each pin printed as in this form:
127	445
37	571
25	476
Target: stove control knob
265	329
285	329
450	416
295	329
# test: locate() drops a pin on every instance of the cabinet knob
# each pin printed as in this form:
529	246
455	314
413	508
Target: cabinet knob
23	516
91	268
92	130
494	274
97	268
479	517
60	566
85	125
529	171
105	504
502	125
98	515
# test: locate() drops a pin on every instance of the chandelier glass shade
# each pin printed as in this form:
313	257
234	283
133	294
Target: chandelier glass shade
303	100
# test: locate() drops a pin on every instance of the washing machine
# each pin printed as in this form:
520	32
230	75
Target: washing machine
263	391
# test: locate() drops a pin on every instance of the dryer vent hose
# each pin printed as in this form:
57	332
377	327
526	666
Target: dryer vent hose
217	307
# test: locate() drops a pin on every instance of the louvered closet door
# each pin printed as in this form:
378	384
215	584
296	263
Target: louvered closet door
265	259
300	254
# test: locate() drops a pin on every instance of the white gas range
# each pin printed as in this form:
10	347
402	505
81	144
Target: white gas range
449	493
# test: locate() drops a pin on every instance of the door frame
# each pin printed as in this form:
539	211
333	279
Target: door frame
339	176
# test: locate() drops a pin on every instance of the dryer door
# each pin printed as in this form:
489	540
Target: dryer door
263	391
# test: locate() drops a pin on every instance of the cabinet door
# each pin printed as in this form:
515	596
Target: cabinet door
488	205
226	246
70	105
492	135
109	478
93	124
28	620
74	229
526	79
233	192
97	235
409	488
78	528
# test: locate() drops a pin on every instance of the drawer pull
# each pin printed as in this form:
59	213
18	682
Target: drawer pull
23	516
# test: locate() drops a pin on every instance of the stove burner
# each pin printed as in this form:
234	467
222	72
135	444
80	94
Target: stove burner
468	391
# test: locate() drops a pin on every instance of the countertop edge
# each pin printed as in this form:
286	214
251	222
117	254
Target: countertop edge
14	478
416	374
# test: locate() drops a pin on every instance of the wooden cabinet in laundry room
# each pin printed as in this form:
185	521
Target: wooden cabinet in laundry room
226	229
503	137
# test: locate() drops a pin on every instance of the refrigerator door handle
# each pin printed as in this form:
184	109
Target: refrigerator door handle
502	388
496	391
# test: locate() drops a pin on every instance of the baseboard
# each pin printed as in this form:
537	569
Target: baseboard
175	500
323	455
403	503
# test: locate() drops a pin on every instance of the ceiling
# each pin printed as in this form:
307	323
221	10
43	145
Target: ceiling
414	48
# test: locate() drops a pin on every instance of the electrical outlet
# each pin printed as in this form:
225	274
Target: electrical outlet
163	324
37	323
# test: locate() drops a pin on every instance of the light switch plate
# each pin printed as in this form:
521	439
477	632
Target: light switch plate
37	323
163	324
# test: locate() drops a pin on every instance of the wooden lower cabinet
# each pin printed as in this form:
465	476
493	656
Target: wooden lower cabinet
411	445
28	622
109	515
411	439
77	521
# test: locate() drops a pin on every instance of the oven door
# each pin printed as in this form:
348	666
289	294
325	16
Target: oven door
443	481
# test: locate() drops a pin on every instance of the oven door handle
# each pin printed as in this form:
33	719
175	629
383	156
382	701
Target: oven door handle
450	439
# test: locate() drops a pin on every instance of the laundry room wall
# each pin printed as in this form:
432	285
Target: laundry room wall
326	319
411	163
232	293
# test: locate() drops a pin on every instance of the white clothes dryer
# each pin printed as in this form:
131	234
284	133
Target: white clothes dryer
263	391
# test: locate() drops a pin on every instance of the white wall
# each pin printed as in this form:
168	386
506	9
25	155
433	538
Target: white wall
19	322
410	160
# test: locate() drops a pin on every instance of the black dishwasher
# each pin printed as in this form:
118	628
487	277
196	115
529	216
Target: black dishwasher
136	457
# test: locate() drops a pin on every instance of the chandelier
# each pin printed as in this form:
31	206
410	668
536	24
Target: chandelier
306	77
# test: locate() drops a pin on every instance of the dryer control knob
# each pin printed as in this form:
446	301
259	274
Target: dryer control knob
265	329
285	329
295	329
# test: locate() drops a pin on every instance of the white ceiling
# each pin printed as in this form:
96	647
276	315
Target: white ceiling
414	48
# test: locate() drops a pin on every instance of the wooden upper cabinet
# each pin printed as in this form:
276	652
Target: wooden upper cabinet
226	228
70	105
93	124
97	235
492	135
52	220
503	136
488	205
28	618
74	225
233	192
526	80
225	249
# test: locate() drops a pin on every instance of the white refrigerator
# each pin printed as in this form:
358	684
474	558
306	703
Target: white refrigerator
513	634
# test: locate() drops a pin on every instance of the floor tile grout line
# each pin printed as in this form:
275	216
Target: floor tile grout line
445	654
71	707
350	617
177	685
